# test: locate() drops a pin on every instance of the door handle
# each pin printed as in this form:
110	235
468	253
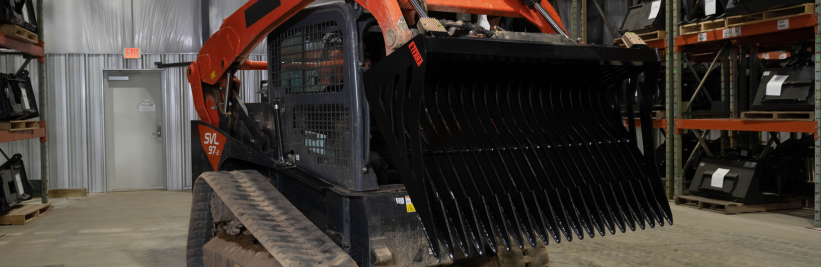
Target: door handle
159	131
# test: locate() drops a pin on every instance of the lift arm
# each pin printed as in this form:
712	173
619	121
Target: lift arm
228	49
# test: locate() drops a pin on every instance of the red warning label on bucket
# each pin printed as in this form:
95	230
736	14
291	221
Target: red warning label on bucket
415	52
409	205
212	143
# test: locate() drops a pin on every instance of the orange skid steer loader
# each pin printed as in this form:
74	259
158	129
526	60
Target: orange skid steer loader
405	133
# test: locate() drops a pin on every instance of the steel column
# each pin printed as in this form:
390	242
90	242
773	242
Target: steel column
673	101
677	68
41	72
668	101
725	96
817	167
205	22
574	20
752	87
583	19
734	136
743	92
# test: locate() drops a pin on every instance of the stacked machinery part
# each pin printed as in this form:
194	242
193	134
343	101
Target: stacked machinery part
449	149
17	99
644	16
733	180
785	171
20	13
787	85
788	169
741	7
14	183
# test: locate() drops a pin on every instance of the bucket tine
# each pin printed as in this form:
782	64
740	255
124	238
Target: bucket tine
626	180
523	151
555	165
545	154
501	209
442	219
578	220
481	176
456	158
516	103
454	193
578	185
511	200
548	114
654	180
494	125
586	155
586	127
510	120
605	165
573	146
636	176
642	175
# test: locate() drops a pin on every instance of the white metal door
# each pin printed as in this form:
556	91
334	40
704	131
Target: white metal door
133	130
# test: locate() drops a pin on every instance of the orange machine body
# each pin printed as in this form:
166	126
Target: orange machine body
229	47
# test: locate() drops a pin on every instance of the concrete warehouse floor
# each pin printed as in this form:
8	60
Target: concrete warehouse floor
149	228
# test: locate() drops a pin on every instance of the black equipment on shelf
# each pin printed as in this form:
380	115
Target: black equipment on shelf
696	11
788	169
17	99
739	181
14	183
646	16
20	13
741	7
787	86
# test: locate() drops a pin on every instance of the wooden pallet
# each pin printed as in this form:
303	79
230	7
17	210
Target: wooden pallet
729	207
739	20
778	116
655	114
11	126
789	11
773	14
689	29
700	27
24	214
713	25
646	37
19	33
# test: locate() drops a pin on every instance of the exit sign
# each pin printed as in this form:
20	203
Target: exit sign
131	53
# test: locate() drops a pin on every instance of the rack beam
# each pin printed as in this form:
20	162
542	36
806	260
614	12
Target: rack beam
11	43
660	124
6	136
755	32
744	125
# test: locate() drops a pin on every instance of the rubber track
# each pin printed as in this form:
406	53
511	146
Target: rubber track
283	230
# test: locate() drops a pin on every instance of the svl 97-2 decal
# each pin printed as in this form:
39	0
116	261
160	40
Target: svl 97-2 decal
212	143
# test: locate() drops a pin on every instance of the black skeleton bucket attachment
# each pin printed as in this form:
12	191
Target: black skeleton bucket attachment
498	140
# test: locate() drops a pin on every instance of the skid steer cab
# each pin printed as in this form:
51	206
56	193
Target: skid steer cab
462	146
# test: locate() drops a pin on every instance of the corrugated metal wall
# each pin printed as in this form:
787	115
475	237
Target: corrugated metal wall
76	141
